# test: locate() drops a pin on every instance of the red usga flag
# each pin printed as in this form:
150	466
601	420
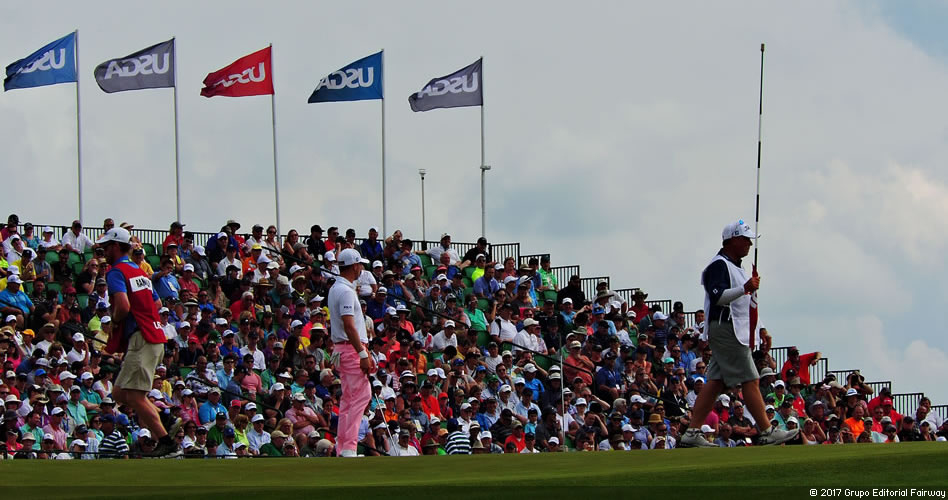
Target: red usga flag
249	75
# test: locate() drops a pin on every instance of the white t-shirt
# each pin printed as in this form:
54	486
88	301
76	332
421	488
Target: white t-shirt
493	362
79	243
343	301
436	251
504	329
259	360
410	451
225	263
523	340
365	281
49	244
439	341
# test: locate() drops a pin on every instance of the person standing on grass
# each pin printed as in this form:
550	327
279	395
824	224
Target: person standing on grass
137	332
727	330
352	358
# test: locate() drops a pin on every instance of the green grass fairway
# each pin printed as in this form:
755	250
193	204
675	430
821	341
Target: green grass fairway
784	472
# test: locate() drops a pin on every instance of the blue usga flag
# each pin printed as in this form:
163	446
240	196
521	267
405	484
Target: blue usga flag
359	81
52	64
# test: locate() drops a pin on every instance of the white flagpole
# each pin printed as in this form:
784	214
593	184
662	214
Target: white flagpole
78	129
276	181
484	166
177	171
384	213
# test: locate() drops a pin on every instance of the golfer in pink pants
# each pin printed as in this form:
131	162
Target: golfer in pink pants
353	361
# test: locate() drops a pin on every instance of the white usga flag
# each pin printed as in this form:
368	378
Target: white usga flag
459	89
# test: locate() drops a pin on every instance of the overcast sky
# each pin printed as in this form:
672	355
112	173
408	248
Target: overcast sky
622	137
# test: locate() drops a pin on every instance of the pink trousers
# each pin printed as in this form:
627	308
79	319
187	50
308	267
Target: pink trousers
356	393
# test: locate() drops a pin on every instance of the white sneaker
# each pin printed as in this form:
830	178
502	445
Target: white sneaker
776	436
693	438
348	454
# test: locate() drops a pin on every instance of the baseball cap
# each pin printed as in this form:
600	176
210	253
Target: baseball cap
349	257
852	392
736	229
659	316
189	267
118	234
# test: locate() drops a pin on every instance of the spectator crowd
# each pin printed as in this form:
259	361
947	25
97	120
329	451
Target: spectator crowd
475	355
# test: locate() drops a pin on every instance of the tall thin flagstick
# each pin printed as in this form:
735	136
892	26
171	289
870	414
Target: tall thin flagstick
384	212
760	114
78	129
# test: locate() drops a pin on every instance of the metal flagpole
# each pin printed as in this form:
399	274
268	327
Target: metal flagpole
177	172
78	130
760	113
484	166
422	173
384	213
276	181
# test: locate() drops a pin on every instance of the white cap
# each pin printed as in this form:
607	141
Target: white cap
227	333
580	401
66	375
376	383
498	267
449	323
391	311
56	411
277	387
316	298
296	324
105	319
465	406
164	310
189	267
510	279
294	268
567	300
187	392
377	263
485	435
381	290
529	368
86	376
14	278
769	407
658	316
441	372
79	442
519	380
351	256
220	321
441	276
779	383
154	393
706	428
257	418
263	259
630	314
144	433
432	372
637	399
852	392
505	388
794	420
271	265
735	229
627	428
221	234
47	229
200	250
119	234
530	322
78	337
724	398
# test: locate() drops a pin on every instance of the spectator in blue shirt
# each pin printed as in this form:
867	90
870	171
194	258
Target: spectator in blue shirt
166	285
486	286
15	301
375	308
608	379
209	410
371	249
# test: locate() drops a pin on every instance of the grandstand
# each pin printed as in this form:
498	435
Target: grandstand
279	304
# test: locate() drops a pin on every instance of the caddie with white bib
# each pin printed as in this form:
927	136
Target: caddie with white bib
727	327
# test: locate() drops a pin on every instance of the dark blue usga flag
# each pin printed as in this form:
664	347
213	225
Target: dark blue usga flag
359	81
52	64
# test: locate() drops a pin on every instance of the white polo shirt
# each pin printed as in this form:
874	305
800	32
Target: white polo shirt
343	301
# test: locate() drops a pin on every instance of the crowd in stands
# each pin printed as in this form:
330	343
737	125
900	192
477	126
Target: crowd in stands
475	355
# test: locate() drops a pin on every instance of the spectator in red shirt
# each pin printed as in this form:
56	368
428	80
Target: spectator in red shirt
186	280
175	235
244	304
517	437
800	363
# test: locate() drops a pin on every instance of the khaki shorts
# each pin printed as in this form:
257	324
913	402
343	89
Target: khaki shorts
139	363
731	361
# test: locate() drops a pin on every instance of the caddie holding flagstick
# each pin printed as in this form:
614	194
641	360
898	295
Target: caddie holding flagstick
727	330
137	333
350	355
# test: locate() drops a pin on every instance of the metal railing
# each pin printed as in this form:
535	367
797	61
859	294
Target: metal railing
878	386
941	411
906	403
665	304
501	251
817	372
563	274
840	375
524	260
589	285
690	319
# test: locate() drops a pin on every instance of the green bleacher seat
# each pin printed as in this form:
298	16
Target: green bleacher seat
425	261
199	282
185	371
549	295
78	267
468	283
28	287
149	249
83	299
430	272
154	261
482	304
483	338
74	259
52	285
543	362
52	257
87	255
469	271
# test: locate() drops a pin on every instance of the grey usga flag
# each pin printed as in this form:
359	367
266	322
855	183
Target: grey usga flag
149	68
459	89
